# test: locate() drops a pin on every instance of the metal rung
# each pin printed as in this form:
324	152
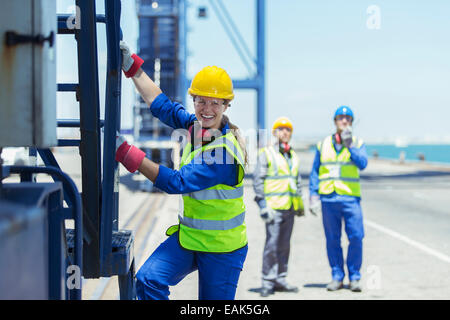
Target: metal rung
67	87
74	123
62	28
62	23
122	251
68	142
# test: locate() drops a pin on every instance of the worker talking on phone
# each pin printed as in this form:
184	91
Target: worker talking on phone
334	187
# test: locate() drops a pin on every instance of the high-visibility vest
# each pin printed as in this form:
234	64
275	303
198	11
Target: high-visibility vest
337	172
280	183
213	219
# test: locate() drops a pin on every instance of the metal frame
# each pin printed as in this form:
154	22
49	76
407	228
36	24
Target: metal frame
110	185
99	248
162	46
100	197
51	197
182	51
88	93
106	250
257	79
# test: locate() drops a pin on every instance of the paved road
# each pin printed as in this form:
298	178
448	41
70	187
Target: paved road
406	247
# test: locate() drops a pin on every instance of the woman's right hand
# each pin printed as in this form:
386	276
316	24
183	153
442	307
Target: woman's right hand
128	155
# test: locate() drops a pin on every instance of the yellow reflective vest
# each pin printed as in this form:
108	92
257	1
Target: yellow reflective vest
280	183
337	172
213	219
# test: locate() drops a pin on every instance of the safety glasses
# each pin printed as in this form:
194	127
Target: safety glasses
284	128
344	116
201	102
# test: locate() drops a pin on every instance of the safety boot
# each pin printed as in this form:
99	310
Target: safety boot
355	286
286	288
265	292
335	285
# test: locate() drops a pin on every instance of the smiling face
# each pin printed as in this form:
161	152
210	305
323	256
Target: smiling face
209	111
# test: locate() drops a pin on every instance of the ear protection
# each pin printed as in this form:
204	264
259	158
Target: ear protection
286	147
199	134
337	136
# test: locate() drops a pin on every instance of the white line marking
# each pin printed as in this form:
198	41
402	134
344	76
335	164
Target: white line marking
407	240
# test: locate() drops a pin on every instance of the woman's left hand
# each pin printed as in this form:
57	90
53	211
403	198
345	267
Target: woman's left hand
130	62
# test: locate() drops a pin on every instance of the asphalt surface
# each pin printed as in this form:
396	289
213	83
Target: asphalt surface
406	210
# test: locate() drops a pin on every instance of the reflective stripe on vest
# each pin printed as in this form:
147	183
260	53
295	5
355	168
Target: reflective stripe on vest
337	172
213	219
213	224
280	183
210	194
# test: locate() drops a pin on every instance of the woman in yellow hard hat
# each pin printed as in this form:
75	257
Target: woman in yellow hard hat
277	186
211	234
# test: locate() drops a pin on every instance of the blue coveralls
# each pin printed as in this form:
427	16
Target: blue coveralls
336	207
170	263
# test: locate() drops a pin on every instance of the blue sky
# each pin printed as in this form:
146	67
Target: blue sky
321	54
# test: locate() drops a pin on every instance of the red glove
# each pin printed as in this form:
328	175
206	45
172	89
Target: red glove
130	62
135	67
128	155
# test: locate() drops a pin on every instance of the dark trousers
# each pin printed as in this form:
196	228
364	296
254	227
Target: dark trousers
218	273
276	249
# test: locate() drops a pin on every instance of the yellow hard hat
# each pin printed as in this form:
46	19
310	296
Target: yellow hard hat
282	122
212	82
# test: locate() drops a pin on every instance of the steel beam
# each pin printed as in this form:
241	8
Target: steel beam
110	183
90	133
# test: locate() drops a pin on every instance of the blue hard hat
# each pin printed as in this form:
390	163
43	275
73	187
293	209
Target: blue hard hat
344	110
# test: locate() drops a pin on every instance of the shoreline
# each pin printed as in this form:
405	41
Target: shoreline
427	165
393	164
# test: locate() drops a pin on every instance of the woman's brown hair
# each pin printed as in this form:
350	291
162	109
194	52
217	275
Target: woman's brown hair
237	134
